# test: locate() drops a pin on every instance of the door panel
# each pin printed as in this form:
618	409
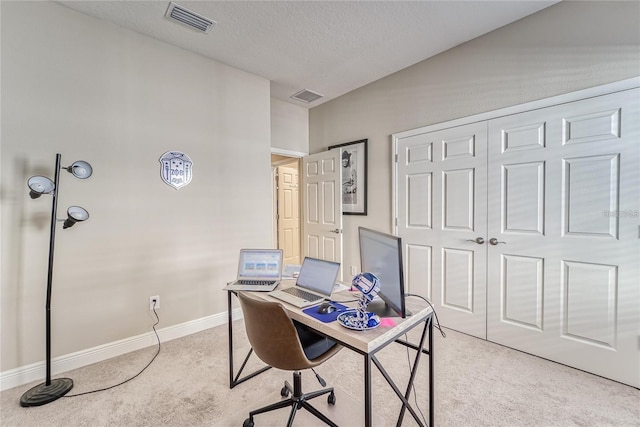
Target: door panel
420	192
322	225
521	291
588	303
418	269
439	177
458	195
457	279
565	283
522	200
590	186
289	214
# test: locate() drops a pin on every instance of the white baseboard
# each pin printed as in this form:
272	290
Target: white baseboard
37	371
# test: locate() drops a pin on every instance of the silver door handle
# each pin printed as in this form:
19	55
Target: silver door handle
493	241
337	231
478	240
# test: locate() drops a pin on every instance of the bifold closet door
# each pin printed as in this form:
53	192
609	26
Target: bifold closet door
441	217
563	198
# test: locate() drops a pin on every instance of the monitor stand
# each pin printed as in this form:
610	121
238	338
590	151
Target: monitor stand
379	307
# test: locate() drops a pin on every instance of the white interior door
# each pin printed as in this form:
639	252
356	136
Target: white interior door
441	217
288	214
322	225
564	194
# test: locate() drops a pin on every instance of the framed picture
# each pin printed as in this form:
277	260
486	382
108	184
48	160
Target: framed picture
354	176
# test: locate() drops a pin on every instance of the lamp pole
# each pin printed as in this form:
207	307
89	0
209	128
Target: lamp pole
52	242
50	390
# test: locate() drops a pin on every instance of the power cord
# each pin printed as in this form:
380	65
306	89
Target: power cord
136	375
437	325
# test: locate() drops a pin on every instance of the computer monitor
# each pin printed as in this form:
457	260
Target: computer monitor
381	254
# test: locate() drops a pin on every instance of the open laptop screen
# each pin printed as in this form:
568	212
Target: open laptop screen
318	275
260	263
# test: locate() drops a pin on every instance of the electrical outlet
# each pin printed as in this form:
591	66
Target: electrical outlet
354	270
154	302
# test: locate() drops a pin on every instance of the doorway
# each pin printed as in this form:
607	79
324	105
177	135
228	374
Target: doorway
286	209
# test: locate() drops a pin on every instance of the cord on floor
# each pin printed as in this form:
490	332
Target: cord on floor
136	375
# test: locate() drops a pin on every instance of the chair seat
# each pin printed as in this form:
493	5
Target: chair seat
313	344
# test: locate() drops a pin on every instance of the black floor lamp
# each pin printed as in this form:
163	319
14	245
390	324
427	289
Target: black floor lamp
51	390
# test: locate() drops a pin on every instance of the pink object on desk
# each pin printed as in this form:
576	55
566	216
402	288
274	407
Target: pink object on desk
387	322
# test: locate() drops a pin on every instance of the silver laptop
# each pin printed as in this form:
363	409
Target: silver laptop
258	270
314	284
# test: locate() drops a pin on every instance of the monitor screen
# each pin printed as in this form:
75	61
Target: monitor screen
381	254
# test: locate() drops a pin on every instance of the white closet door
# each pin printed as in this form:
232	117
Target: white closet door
564	191
441	210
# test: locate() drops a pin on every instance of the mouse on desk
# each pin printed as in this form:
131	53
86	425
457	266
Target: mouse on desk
326	308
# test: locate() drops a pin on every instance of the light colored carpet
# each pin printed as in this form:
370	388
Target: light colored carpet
477	384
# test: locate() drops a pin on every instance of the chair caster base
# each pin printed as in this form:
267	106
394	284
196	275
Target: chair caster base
248	422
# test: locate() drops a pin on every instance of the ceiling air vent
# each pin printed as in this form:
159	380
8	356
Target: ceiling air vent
306	95
191	19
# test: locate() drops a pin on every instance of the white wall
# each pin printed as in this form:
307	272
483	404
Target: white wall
93	91
289	127
564	48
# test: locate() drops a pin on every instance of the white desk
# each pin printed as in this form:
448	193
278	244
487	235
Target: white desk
367	343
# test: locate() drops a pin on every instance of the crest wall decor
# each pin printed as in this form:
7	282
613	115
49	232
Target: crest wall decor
354	176
176	169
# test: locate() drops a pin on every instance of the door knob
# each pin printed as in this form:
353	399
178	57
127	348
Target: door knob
478	240
493	241
337	231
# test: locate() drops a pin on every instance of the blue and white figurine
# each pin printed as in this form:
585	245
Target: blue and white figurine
368	285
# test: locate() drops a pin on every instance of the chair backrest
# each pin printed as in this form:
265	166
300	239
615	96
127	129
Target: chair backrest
272	334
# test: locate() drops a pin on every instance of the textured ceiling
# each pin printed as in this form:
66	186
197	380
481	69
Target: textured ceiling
329	47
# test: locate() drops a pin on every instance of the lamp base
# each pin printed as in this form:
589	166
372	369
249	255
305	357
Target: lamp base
43	393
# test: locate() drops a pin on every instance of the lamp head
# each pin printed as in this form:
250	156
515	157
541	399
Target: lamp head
40	185
80	169
75	214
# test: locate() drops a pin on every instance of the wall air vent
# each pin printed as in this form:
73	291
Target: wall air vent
191	19
306	96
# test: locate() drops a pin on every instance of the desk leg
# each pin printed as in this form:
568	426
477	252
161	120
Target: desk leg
431	379
419	350
230	326
237	380
367	391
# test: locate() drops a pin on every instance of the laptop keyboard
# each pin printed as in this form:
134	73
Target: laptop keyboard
302	294
256	282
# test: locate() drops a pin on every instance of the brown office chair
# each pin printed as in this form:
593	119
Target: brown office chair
284	344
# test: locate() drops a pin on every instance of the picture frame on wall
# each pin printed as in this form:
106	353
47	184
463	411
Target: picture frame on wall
353	157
